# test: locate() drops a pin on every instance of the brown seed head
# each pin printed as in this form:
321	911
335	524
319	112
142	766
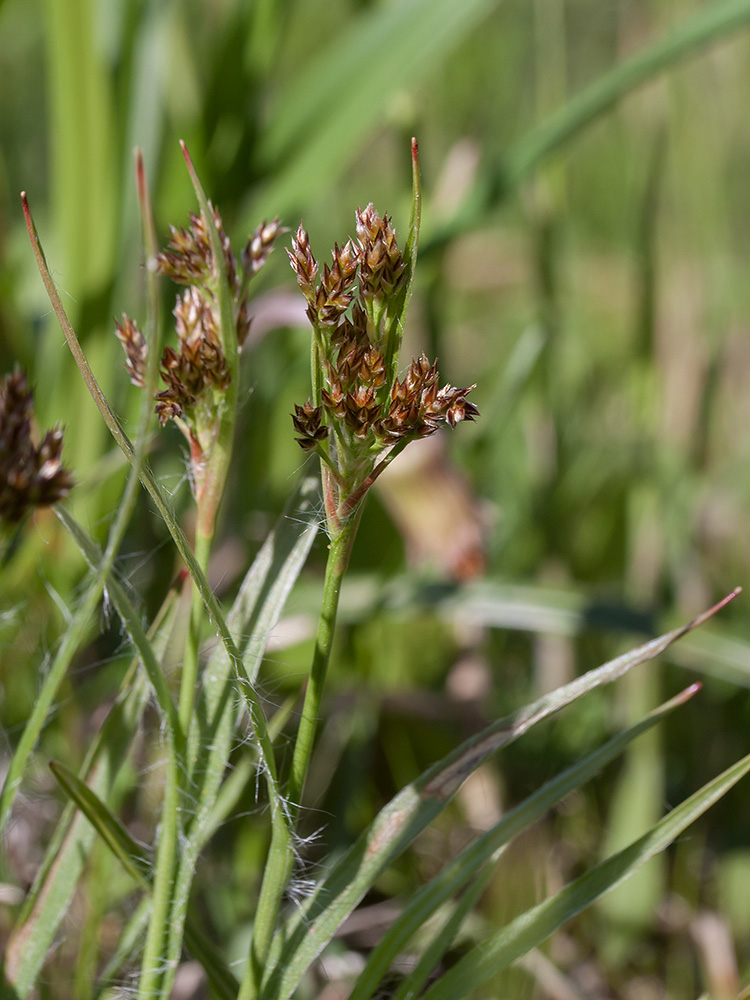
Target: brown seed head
260	245
382	267
199	365
304	264
136	349
307	421
29	476
189	259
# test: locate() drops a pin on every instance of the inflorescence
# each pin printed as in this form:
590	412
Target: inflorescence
30	475
362	410
196	371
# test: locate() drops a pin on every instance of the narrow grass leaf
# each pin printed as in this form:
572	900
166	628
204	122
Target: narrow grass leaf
256	610
129	942
472	859
129	853
412	986
709	22
332	105
164	508
311	926
55	882
533	927
131	620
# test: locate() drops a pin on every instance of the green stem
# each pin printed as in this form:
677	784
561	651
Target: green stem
192	646
280	856
153	967
338	560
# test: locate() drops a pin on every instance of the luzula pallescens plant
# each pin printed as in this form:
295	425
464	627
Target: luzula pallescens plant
362	412
361	415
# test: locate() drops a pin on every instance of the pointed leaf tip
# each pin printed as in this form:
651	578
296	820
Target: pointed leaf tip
140	173
186	154
713	610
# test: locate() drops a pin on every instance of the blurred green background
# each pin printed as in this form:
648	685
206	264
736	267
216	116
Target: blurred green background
599	298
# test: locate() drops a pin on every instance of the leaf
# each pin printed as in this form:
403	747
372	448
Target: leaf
708	23
130	854
534	926
256	610
471	860
306	932
341	95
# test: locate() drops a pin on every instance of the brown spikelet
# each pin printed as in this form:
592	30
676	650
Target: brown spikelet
30	476
136	349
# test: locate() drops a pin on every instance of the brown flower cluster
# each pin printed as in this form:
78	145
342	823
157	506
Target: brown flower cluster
353	308
30	476
198	366
189	260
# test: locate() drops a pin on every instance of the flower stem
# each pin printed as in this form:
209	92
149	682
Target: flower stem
338	560
151	983
192	645
280	856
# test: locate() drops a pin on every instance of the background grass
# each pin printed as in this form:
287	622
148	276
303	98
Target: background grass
602	307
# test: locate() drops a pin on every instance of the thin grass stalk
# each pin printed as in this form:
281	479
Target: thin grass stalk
336	565
214	476
280	856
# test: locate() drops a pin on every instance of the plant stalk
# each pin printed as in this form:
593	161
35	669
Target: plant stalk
281	853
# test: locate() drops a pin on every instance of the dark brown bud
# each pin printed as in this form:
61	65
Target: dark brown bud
382	267
307	422
189	260
198	366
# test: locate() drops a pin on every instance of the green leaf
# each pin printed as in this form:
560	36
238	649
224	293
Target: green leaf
56	880
413	984
341	95
129	853
130	618
294	947
708	23
470	861
256	610
533	927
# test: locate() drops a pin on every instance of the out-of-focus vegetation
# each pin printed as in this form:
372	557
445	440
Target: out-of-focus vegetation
601	302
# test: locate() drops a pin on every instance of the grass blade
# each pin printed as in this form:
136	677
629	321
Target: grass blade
256	610
533	927
129	853
471	860
409	812
137	863
413	984
301	145
707	24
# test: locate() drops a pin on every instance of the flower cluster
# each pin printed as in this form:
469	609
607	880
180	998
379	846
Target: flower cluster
355	307
197	369
30	476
